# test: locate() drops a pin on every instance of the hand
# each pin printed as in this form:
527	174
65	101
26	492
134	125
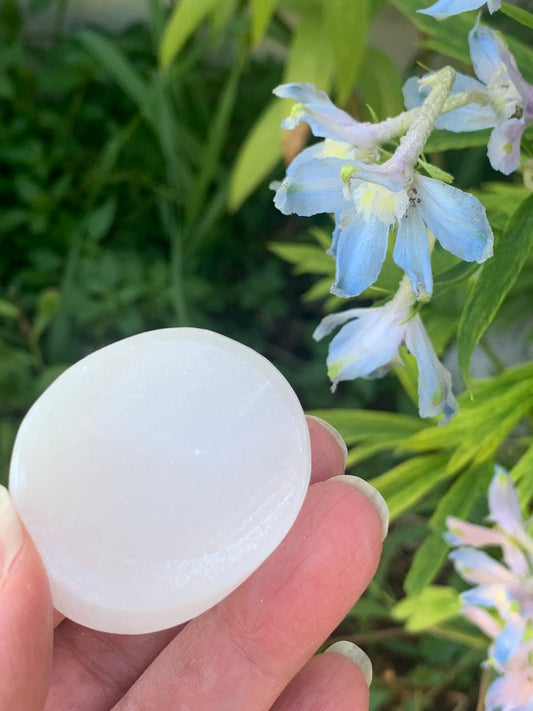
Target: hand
251	652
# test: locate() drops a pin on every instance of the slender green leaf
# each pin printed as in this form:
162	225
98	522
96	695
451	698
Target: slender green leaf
456	274
217	135
306	258
521	473
441	140
518	13
345	28
380	84
262	11
357	425
495	280
435	172
184	20
308	60
310	57
258	155
450	36
409	481
116	64
458	501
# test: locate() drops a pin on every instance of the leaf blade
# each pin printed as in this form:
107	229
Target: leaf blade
496	279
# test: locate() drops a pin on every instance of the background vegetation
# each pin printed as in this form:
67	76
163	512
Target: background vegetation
134	194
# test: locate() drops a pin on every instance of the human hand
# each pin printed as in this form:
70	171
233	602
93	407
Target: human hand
251	652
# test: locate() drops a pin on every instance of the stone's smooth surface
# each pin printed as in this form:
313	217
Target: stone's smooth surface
158	473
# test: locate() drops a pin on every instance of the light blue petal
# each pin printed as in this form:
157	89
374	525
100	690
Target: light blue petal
487	52
313	186
332	251
446	8
504	146
333	321
488	596
310	153
411	253
504	505
413	93
325	119
361	251
457	219
434	381
478	567
364	346
471	117
508	641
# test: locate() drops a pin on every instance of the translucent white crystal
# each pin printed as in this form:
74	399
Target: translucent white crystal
158	473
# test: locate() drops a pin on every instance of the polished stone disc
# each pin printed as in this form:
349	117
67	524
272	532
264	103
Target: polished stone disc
158	473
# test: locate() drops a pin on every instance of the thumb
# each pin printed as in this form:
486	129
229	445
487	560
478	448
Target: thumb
25	616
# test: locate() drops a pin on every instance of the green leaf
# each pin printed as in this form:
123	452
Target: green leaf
116	64
8	310
435	172
518	14
409	481
306	258
258	155
379	86
98	222
184	20
47	305
310	57
358	425
308	60
482	424
521	473
368	432
431	606
262	11
451	37
495	280
456	274
442	140
457	501
345	28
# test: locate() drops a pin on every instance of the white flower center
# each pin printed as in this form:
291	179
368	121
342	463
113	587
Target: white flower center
373	200
504	97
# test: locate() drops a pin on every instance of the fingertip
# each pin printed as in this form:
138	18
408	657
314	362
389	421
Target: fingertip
25	616
329	682
328	450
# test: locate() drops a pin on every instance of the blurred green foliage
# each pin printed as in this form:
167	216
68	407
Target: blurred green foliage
134	196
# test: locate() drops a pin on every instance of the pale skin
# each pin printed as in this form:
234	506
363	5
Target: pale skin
251	652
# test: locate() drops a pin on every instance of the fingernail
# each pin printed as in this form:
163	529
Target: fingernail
11	535
356	654
334	433
373	495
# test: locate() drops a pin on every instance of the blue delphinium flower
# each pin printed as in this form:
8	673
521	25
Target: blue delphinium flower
501	604
367	346
505	99
365	208
446	8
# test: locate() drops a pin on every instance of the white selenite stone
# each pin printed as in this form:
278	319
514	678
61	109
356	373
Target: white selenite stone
158	473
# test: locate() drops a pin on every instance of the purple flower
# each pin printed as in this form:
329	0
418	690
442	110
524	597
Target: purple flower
504	99
501	604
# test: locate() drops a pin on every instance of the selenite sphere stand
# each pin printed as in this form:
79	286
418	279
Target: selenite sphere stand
158	473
